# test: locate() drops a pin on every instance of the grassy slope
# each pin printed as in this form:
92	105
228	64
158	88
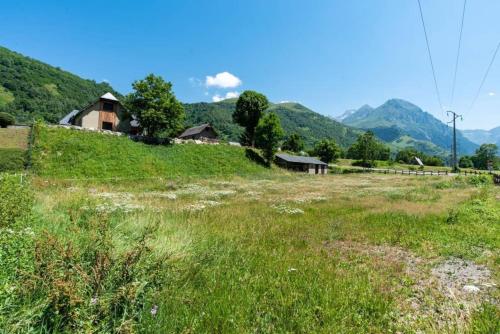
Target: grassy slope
67	153
13	144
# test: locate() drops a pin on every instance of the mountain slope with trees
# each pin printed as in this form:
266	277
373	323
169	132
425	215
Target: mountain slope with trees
294	118
32	89
397	118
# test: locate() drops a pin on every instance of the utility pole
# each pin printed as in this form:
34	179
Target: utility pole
454	158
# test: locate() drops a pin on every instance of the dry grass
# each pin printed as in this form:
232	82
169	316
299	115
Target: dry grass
14	138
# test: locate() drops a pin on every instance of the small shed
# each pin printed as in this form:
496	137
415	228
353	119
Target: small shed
204	131
302	164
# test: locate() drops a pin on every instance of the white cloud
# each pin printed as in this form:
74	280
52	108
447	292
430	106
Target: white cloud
105	80
229	95
232	95
223	80
491	94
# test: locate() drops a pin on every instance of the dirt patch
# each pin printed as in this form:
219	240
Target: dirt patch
463	279
442	295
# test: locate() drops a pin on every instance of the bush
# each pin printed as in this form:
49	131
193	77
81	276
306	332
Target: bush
480	180
367	164
465	162
12	160
6	120
16	200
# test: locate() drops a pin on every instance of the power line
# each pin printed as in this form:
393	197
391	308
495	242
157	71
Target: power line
430	56
458	54
485	76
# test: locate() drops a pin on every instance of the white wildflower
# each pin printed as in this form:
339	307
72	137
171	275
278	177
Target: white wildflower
283	209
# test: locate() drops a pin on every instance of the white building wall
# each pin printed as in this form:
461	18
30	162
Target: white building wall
91	120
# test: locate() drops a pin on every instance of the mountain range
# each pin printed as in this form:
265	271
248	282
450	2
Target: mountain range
31	89
483	136
399	123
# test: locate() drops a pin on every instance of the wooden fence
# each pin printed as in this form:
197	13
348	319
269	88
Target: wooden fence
496	177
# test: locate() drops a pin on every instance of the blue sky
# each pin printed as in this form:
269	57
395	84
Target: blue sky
328	55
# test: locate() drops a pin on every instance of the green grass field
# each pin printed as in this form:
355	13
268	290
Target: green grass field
13	144
259	252
348	163
64	153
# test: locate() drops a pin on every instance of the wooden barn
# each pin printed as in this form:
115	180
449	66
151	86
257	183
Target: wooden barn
301	164
107	113
204	131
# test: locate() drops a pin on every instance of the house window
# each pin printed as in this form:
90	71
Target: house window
107	126
106	106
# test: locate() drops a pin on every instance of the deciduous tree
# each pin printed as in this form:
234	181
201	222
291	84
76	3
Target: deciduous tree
367	149
156	107
268	135
327	150
293	143
249	109
485	154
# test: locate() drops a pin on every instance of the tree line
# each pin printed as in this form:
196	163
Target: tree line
154	104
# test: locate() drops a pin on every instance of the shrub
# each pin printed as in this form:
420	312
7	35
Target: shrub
85	285
6	120
367	163
16	200
12	159
465	162
480	180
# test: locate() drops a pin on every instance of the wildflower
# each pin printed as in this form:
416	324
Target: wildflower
154	310
285	209
94	300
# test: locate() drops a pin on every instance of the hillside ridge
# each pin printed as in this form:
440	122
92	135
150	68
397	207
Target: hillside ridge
31	89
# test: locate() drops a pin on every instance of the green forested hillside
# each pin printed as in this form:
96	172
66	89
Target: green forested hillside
295	118
31	89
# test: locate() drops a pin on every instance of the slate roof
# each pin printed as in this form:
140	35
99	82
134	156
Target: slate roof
66	120
195	130
300	160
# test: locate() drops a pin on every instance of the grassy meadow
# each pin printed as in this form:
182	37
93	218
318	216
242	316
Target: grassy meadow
265	251
64	153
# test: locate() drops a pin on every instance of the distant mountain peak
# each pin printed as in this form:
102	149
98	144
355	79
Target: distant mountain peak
400	103
398	117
